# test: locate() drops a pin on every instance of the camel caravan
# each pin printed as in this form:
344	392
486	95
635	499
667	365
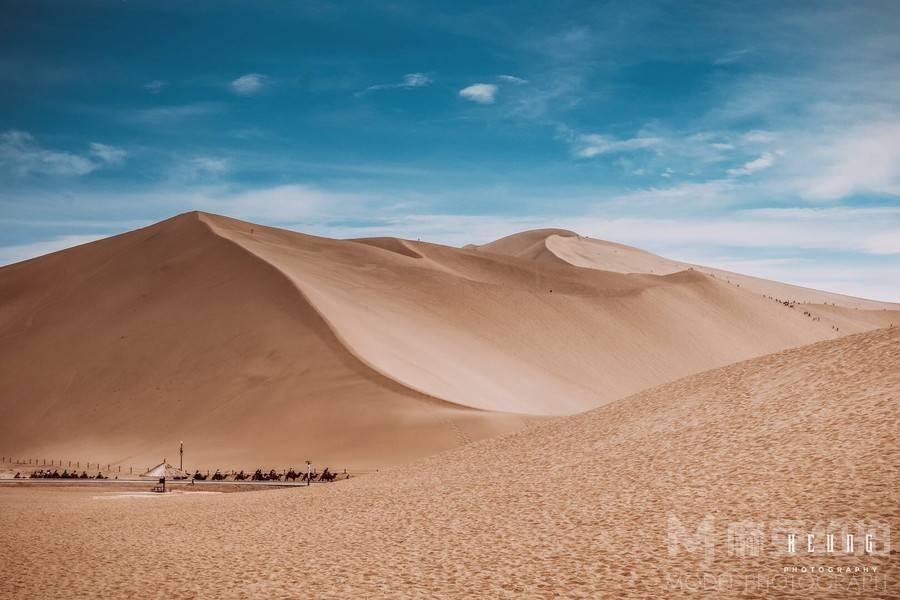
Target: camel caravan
272	475
164	471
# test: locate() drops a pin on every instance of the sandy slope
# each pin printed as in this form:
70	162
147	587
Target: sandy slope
578	507
555	245
258	345
118	350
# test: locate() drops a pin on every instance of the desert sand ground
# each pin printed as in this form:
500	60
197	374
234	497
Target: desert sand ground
579	506
259	346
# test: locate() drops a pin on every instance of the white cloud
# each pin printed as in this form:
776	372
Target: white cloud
280	204
410	80
249	84
595	144
482	93
21	155
108	154
200	168
864	159
512	79
764	161
415	80
155	86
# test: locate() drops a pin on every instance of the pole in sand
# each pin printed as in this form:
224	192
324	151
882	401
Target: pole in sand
181	456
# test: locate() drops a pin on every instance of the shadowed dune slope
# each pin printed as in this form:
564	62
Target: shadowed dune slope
580	507
257	344
115	351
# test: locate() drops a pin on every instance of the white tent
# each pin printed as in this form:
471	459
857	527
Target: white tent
167	471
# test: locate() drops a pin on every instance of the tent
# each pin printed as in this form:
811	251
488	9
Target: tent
164	471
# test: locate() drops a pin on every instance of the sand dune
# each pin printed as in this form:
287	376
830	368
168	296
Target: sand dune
577	507
555	245
259	345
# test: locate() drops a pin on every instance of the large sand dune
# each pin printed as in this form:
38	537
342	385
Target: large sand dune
263	346
579	507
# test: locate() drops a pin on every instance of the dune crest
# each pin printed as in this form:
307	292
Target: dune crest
592	253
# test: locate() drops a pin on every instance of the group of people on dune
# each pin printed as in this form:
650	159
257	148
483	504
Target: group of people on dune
272	475
55	474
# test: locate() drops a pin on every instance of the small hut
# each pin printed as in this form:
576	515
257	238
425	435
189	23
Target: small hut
164	471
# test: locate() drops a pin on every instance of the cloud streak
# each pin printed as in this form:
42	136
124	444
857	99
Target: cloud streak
593	144
22	156
410	81
156	86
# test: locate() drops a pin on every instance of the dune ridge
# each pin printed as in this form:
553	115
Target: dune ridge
581	251
258	344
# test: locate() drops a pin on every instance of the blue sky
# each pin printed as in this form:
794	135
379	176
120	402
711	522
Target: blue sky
760	137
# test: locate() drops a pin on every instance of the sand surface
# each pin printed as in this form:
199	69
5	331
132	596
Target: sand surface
577	507
264	347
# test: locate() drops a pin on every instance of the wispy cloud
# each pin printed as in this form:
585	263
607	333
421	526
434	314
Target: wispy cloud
716	192
155	86
410	81
199	169
482	93
732	57
160	115
512	79
21	155
249	84
108	154
282	204
764	161
594	144
862	159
